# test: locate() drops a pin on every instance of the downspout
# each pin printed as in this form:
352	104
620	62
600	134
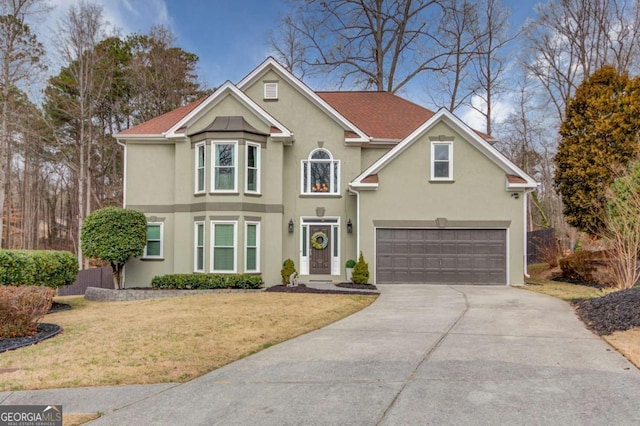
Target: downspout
124	198
124	173
353	191
526	216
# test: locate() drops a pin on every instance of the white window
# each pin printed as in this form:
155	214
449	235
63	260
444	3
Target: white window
442	161
271	90
198	254
320	173
200	165
224	176
153	249
223	254
252	246
252	170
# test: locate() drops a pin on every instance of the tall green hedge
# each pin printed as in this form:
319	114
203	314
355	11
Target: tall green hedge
207	281
48	268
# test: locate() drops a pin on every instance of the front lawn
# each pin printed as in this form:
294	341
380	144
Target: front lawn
165	340
626	342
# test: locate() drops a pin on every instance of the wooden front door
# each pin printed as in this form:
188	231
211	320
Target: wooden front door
320	258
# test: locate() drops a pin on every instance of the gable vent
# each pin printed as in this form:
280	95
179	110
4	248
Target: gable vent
271	90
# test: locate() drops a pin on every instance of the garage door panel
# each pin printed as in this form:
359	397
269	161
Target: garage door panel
417	248
447	256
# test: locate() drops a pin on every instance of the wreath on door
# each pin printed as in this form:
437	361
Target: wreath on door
319	240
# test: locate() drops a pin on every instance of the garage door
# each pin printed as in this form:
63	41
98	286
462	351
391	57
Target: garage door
441	256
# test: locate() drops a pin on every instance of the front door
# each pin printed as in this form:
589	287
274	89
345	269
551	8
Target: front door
320	244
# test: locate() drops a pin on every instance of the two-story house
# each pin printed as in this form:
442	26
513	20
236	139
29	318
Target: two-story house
267	169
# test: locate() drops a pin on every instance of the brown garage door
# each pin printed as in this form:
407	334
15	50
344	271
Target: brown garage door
441	256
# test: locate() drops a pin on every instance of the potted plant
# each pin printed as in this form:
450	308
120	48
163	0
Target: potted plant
349	268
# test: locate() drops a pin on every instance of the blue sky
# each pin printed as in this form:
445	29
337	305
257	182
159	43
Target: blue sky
229	36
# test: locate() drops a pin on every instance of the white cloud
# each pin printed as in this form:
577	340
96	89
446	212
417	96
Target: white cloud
500	110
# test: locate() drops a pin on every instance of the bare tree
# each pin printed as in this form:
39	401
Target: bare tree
493	35
20	54
622	227
289	48
382	44
570	39
79	32
459	35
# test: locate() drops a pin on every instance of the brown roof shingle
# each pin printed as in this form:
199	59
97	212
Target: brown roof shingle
381	115
164	122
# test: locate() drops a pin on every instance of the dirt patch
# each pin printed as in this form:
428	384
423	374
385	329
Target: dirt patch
618	311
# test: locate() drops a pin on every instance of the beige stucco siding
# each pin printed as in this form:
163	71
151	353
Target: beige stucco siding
312	128
140	271
477	193
151	167
370	156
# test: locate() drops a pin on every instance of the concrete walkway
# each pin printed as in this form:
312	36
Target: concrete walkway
419	355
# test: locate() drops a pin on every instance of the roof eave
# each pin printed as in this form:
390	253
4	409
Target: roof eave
134	136
364	186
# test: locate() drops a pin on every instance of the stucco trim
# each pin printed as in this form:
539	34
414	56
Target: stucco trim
486	224
220	206
216	218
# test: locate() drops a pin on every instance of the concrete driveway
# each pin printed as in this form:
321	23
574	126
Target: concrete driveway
419	355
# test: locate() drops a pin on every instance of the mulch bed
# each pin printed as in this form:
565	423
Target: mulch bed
45	331
618	311
301	288
358	286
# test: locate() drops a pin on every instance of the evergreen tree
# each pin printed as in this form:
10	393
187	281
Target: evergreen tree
598	136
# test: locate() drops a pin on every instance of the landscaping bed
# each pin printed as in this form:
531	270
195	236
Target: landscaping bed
358	286
301	288
45	331
618	311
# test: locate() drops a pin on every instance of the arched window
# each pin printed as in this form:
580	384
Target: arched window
320	173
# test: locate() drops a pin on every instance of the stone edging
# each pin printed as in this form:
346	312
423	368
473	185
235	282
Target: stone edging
111	295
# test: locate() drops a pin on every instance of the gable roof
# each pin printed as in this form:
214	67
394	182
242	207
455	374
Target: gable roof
228	89
271	64
381	115
364	115
515	177
172	124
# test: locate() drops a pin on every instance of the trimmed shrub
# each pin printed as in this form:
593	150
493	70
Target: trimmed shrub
288	268
21	308
350	263
360	271
115	235
206	281
48	268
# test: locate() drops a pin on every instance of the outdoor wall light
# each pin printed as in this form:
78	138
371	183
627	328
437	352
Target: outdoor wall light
515	195
291	226
349	227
